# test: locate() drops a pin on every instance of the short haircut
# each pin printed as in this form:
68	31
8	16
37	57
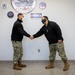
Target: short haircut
45	17
19	14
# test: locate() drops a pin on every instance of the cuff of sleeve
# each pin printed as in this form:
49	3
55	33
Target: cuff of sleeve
34	36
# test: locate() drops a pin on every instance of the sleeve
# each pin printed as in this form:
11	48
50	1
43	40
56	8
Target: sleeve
22	31
58	31
39	33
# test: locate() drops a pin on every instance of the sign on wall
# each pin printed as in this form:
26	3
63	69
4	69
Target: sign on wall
23	6
3	5
42	5
10	14
36	15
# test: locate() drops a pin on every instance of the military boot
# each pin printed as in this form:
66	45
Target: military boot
66	66
21	65
51	65
16	67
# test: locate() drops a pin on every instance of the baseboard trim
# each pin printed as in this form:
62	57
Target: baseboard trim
36	61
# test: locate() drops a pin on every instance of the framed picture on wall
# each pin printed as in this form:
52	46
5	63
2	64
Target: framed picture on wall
23	6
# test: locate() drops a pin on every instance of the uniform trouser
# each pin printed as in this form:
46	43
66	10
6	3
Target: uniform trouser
18	51
57	47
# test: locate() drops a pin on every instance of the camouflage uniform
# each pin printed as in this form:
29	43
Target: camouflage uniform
18	51
57	47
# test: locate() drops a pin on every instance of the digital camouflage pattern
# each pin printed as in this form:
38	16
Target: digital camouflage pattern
18	51
57	47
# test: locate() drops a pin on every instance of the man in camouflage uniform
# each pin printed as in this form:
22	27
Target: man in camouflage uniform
54	36
16	37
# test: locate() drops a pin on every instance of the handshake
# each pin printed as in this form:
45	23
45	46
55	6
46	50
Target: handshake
31	37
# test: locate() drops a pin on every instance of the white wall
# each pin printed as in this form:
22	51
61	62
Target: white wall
60	11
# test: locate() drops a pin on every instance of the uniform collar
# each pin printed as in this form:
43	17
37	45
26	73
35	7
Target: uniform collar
19	20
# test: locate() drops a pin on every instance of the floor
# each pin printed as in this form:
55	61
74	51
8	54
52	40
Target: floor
36	68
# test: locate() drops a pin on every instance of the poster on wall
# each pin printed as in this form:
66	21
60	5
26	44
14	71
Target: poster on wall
23	6
36	15
42	5
10	14
3	5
